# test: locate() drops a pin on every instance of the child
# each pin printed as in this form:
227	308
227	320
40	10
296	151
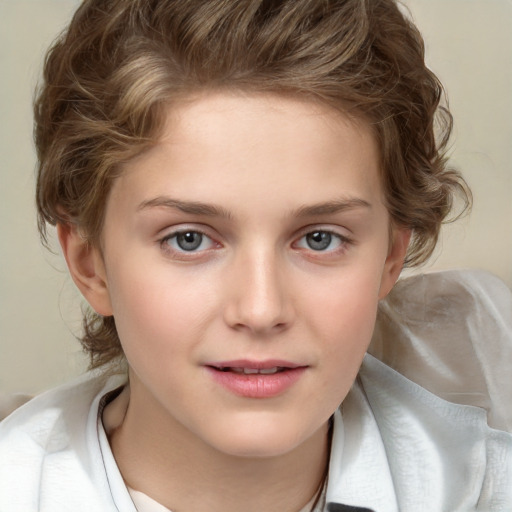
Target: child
236	186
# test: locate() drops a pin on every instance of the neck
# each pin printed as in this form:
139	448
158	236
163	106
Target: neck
161	458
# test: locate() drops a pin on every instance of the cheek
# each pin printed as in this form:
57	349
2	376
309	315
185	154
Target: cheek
349	303
153	311
349	330
161	313
345	321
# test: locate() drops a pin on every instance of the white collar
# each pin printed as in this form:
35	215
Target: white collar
359	473
396	446
399	447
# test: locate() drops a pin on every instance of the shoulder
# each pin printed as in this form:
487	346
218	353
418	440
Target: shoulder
47	444
60	410
439	452
451	333
439	388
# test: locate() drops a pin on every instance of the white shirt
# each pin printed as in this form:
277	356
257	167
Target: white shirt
395	447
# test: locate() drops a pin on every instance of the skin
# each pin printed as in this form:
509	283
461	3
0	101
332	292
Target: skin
272	170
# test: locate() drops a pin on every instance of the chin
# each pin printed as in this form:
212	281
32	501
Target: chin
258	447
261	439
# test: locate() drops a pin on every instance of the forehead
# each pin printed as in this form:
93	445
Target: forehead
237	114
276	146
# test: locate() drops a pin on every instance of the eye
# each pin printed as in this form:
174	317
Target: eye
321	241
187	241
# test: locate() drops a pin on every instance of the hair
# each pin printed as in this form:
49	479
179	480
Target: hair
110	77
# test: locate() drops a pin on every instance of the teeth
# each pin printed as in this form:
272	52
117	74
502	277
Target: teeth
253	371
268	371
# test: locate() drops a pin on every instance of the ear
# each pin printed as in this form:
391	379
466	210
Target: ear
395	260
86	267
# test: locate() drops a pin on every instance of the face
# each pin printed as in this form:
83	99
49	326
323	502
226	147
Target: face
243	258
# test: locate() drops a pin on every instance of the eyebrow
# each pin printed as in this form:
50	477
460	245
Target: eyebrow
331	207
191	207
198	208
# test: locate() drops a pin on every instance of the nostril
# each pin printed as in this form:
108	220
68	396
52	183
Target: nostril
258	301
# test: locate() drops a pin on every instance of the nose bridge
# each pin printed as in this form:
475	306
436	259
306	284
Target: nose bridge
260	302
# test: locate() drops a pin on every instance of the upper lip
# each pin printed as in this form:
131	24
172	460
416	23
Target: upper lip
256	365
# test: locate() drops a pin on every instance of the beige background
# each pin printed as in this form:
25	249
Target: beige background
469	45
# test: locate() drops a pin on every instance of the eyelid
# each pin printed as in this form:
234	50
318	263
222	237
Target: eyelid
343	238
343	233
184	228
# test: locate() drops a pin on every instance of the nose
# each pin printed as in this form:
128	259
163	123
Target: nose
259	296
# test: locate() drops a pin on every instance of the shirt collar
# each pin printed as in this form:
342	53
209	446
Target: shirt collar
359	474
396	445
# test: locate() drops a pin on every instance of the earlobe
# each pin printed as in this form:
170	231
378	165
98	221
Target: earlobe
395	260
86	267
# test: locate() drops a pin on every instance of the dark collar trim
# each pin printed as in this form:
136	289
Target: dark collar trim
338	507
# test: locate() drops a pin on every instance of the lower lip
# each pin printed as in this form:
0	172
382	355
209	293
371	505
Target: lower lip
257	385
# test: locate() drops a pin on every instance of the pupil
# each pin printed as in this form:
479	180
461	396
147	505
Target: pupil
189	241
319	240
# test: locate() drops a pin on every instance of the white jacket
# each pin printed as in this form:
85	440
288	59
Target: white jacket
396	446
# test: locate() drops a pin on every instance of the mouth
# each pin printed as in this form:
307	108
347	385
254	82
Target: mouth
241	370
252	379
248	367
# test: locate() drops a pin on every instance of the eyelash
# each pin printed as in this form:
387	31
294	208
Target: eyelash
166	246
342	242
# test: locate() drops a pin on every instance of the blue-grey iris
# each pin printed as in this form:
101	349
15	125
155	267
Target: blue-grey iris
319	240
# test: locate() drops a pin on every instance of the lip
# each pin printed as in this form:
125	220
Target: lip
256	385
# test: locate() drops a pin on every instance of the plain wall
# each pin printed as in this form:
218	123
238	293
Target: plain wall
469	45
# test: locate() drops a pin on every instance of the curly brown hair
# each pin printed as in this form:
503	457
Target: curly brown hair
108	77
